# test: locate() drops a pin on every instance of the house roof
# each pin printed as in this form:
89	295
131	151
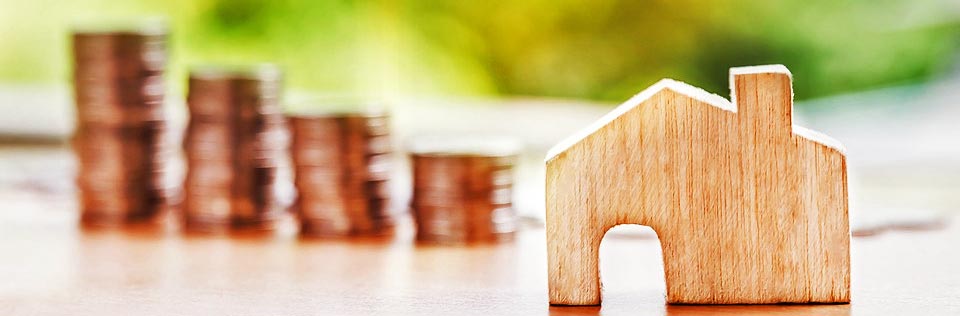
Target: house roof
691	92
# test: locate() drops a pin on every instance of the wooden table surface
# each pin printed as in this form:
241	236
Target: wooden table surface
49	266
52	267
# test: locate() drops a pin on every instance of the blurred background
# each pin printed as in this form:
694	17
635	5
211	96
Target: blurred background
879	76
598	50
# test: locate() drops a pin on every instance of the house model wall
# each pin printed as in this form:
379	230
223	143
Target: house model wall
748	208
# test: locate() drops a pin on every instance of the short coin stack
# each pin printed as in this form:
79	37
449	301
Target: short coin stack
462	189
235	144
120	137
342	170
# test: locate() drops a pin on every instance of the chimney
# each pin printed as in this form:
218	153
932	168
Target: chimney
764	99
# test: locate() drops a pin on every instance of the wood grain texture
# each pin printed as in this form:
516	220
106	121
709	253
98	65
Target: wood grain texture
748	208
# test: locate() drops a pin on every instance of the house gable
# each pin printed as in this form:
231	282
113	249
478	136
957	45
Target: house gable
696	94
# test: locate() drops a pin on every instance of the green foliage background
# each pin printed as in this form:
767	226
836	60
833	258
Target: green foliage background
597	49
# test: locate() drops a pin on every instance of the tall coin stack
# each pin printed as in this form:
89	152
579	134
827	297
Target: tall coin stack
235	144
463	189
119	141
342	171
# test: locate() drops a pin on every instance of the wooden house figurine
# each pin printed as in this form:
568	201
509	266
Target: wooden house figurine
749	208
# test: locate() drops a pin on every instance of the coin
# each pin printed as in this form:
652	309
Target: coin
462	189
120	141
235	146
342	166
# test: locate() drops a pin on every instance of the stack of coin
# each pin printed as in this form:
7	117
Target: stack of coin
462	189
342	167
235	144
120	137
